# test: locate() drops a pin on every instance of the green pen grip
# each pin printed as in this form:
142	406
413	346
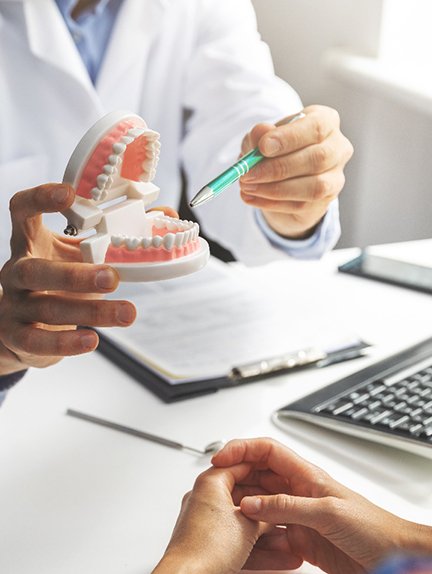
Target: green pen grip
233	173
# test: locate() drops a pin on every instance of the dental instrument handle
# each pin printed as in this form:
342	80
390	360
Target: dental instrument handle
236	171
131	431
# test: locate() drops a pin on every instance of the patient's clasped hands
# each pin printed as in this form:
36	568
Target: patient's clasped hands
262	507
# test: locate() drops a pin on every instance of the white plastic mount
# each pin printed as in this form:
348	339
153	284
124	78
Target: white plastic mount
128	216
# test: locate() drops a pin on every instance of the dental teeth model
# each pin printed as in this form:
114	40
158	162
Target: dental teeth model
111	170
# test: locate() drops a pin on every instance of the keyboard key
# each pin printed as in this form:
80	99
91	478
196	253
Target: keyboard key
379	417
374	405
360	398
342	408
375	388
398	422
411	385
416	429
360	414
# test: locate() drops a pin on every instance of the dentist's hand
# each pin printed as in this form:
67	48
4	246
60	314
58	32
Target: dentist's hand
48	290
302	172
320	521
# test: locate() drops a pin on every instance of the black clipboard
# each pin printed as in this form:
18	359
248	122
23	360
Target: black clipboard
169	393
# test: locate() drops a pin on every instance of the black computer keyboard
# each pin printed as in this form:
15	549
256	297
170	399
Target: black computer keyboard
389	402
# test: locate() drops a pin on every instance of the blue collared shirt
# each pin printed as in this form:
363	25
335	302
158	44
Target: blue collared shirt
91	33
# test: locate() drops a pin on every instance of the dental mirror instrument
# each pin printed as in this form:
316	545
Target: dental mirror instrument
211	448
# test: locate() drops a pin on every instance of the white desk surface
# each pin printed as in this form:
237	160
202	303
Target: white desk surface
79	498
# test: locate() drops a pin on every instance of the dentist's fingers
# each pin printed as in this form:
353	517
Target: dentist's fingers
312	160
314	128
168	211
35	274
38	347
290	194
60	310
26	206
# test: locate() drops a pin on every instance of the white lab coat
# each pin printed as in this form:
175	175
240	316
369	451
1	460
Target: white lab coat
165	57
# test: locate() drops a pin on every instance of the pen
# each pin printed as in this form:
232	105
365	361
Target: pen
233	173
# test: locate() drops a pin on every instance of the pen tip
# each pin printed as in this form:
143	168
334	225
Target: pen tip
202	196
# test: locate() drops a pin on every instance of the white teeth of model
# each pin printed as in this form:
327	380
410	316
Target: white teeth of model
178	240
146	242
147	165
157	241
96	193
119	148
160	223
113	159
172	225
100	195
168	241
152	174
102	180
135	132
117	240
196	226
151	135
127	140
108	169
150	146
132	242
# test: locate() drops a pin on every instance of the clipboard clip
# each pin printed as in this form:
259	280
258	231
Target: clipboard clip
309	357
264	367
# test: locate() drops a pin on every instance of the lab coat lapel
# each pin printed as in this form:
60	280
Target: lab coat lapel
123	69
50	40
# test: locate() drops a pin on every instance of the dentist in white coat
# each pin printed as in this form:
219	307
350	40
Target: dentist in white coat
198	73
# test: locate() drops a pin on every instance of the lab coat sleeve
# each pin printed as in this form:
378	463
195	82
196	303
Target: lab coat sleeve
8	381
230	87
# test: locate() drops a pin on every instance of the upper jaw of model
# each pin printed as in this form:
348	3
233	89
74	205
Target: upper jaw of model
110	177
121	165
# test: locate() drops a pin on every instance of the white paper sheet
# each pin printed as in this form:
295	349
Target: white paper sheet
203	325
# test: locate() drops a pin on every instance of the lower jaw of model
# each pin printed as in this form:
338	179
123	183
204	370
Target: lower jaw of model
170	239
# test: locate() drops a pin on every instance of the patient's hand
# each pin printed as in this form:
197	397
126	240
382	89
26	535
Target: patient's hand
320	521
211	535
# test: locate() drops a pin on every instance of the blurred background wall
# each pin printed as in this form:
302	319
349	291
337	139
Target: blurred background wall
327	50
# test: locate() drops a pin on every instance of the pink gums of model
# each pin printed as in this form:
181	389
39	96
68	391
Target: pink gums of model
116	160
